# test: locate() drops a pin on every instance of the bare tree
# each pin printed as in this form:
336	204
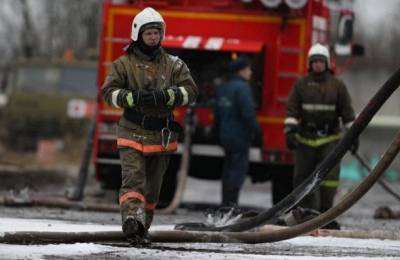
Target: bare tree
46	28
29	37
72	24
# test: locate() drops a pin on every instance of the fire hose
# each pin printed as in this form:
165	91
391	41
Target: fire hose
222	237
77	195
259	237
381	182
312	182
183	167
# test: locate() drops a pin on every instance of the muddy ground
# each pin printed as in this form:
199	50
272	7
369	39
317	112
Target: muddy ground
55	184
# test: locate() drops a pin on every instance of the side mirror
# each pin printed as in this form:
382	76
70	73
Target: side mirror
357	50
354	49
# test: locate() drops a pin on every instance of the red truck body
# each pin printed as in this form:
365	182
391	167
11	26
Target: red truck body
207	35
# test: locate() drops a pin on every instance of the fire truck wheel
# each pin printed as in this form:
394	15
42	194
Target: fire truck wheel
282	183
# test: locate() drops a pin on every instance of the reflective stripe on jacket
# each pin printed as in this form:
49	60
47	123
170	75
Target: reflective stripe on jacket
316	103
316	142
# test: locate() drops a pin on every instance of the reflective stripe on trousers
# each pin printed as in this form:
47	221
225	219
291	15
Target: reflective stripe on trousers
329	184
141	183
136	195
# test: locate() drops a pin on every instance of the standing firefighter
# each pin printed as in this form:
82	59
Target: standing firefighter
147	83
235	120
318	106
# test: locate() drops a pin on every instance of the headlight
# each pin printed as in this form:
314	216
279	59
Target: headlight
296	4
271	3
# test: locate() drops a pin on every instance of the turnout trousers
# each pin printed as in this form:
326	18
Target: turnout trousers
142	178
307	159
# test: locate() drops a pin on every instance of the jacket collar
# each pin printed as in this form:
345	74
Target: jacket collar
319	77
139	54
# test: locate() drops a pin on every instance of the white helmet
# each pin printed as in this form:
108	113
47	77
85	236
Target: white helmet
147	15
318	51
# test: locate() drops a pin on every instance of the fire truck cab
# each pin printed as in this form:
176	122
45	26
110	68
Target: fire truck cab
207	35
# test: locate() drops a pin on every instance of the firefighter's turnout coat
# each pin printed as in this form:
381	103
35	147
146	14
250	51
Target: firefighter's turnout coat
319	105
143	152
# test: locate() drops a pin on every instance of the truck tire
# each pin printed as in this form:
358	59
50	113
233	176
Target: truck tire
282	183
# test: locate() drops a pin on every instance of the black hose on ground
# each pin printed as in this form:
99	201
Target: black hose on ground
381	182
220	237
312	182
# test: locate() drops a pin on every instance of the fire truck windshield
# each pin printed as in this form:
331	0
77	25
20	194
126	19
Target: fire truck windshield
210	68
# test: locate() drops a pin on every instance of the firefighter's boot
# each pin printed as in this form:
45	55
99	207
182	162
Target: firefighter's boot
135	232
299	215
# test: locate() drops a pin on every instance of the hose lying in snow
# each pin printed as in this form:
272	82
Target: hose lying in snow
381	182
183	168
313	181
57	203
221	237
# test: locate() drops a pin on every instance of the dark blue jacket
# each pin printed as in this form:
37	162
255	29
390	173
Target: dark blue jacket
234	114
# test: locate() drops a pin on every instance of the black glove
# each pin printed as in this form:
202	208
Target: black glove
153	98
129	98
291	141
354	146
174	96
162	97
290	133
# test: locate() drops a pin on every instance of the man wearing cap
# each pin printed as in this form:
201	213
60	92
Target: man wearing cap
318	106
236	125
147	83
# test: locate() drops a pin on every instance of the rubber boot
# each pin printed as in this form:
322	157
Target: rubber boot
135	232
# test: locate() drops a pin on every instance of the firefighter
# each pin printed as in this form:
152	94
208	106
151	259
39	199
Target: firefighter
147	83
319	107
236	126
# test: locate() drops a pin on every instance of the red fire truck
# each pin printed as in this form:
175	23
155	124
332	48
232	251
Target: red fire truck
207	34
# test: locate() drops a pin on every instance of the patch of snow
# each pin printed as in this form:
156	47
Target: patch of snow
229	251
39	252
18	224
345	242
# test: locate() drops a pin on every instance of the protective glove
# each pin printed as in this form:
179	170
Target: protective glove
354	146
129	98
291	141
169	97
153	98
290	133
174	96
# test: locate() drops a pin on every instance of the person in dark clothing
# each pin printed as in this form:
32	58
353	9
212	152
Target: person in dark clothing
235	121
147	83
318	105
